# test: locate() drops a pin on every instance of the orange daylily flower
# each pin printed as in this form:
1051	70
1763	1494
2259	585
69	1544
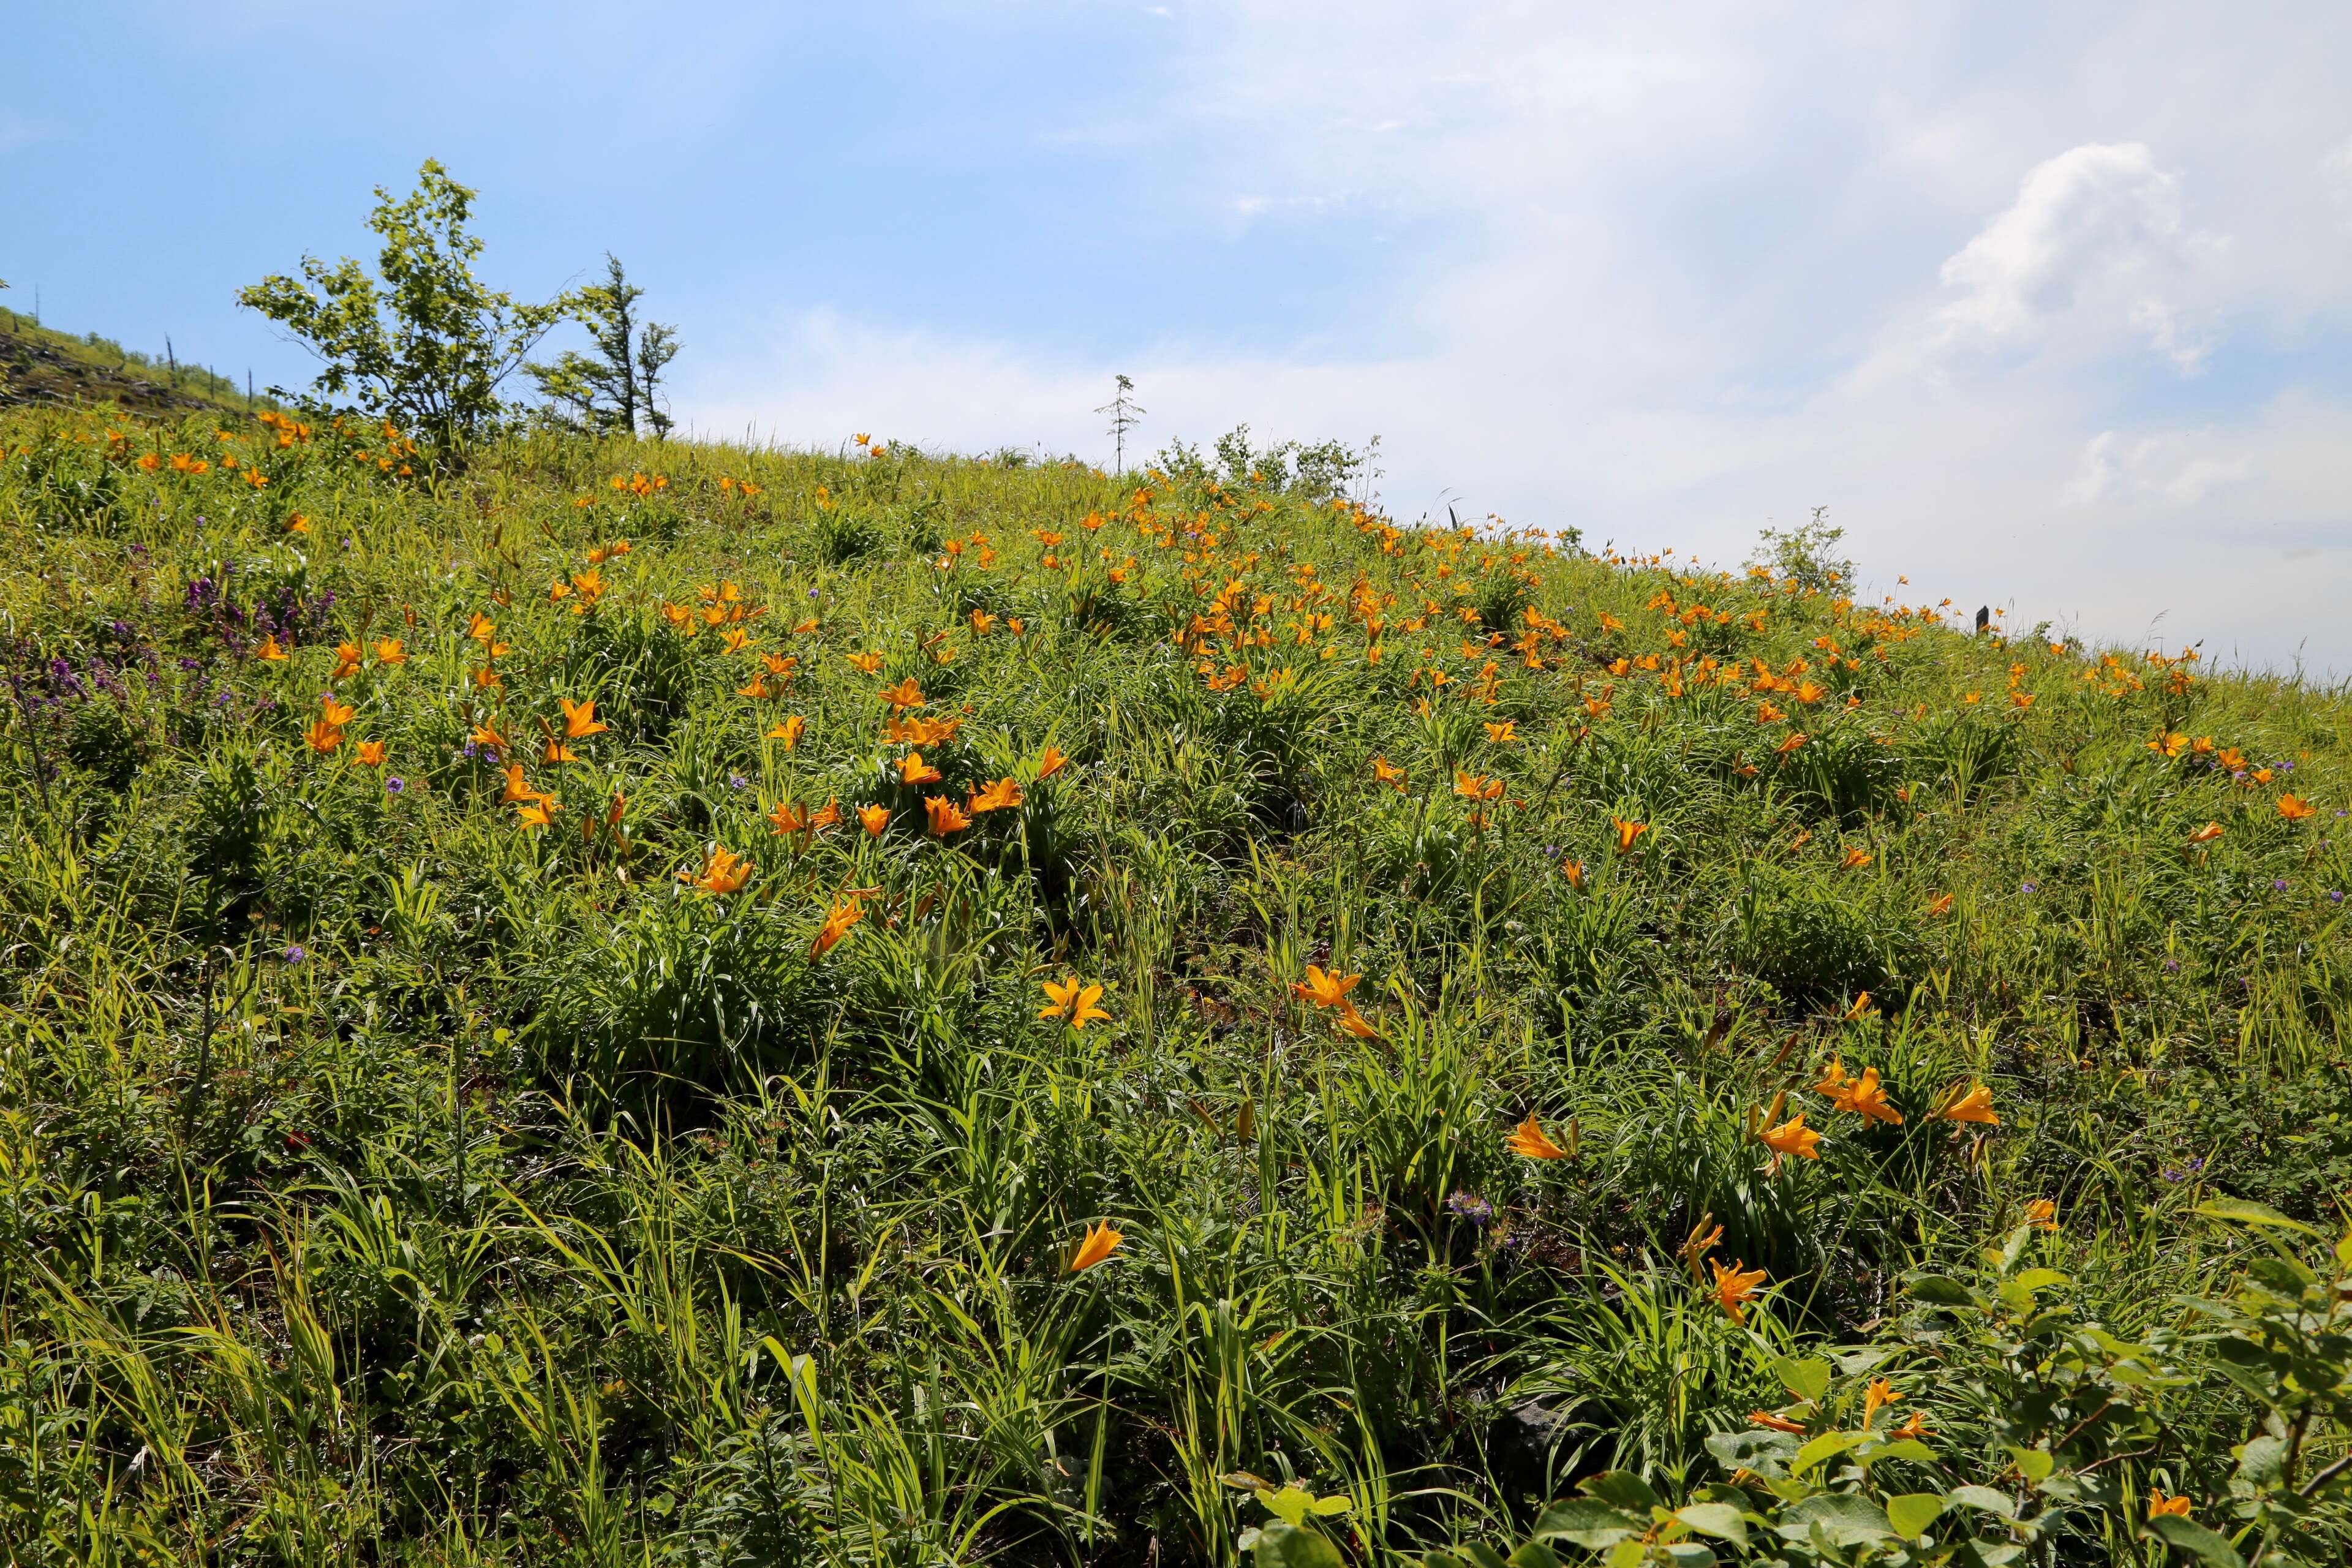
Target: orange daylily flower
2207	834
1503	733
1855	858
2160	1504
517	789
1002	795
1875	1397
1356	1024
1792	1137
2042	1213
1388	772
1941	904
1527	1141
1073	1000
946	815
322	736
874	819
1866	1097
271	650
1049	763
1574	871
1733	1286
865	663
1100	1242
1790	744
1627	832
537	813
347	661
1976	1105
371	754
1766	1419
913	770
2294	808
906	694
1325	989
487	736
788	818
1917	1426
723	871
838	921
335	712
789	732
1477	786
580	719
389	650
1832	1076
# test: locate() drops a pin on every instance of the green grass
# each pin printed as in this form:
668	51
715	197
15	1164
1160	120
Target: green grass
386	1180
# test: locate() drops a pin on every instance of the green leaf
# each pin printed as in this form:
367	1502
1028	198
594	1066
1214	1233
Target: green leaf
1828	1445
1624	1488
1718	1520
1913	1512
1937	1290
2033	1464
1482	1555
2245	1211
2034	1279
1985	1500
1688	1554
1533	1554
1281	1545
2188	1536
2263	1460
1910	1448
1588	1521
1756	1449
1807	1378
1325	1507
1840	1518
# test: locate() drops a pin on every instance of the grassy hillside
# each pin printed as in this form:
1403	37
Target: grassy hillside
39	366
667	1002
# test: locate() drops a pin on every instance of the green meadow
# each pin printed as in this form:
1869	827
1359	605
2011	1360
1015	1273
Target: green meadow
629	1001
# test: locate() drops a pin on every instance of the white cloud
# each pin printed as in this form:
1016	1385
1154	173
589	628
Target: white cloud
2166	468
2096	240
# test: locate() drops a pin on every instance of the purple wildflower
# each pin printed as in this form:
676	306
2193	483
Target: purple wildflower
296	954
394	785
1470	1206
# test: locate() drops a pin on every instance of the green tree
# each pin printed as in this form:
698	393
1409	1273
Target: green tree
425	346
618	386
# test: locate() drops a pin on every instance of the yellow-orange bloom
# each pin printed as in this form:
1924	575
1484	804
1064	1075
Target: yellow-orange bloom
1527	1141
2294	808
335	712
2159	1504
1073	1000
1503	733
1356	1024
371	754
1574	871
874	819
388	650
946	815
271	650
1002	795
537	813
1049	763
1325	989
2207	834
1855	858
1790	744
1976	1105
1476	786
913	770
322	736
347	661
1877	1397
1388	772
1627	832
2042	1213
789	732
723	871
1100	1242
838	921
865	663
906	694
1941	904
1793	1137
1866	1097
789	818
580	719
1771	1421
1733	1286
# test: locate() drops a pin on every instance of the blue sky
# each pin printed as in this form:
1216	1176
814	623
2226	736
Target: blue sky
2050	305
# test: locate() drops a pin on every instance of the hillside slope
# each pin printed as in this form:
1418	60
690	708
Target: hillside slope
40	367
664	1000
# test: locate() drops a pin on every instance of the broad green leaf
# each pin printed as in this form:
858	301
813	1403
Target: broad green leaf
1841	1520
2038	1279
1624	1488
1985	1499
1688	1554
2033	1464
2263	1460
1281	1545
1482	1555
1807	1378
1828	1445
1588	1521
1913	1512
1910	1448
2245	1211
1937	1290
2193	1538
1718	1520
1757	1449
1533	1554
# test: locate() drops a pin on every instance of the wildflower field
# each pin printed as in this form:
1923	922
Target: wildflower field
632	1002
